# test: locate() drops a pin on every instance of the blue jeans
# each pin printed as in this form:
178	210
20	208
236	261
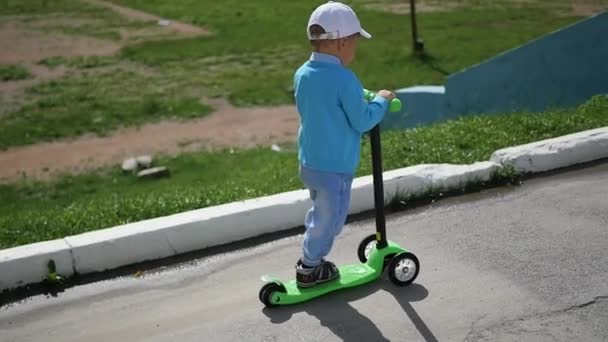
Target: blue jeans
330	193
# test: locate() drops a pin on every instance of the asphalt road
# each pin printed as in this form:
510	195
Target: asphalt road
525	263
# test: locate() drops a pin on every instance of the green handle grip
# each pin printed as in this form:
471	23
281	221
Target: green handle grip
394	105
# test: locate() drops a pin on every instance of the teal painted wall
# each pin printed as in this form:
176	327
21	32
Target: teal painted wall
559	70
422	106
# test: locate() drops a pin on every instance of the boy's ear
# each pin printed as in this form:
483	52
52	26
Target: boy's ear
341	43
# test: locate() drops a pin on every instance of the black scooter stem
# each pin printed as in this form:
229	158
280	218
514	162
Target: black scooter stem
378	187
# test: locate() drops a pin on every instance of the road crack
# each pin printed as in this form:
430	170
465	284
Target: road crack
476	333
580	306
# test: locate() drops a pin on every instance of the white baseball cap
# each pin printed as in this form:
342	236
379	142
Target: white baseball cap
337	19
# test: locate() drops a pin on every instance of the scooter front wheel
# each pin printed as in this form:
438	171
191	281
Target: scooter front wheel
365	247
403	269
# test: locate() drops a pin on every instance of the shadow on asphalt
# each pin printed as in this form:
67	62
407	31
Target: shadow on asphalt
334	311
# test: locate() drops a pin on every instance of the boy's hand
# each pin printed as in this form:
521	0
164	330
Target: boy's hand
386	94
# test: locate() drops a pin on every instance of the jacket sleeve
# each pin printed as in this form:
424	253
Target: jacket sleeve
362	115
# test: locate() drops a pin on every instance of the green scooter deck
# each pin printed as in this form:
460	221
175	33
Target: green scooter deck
350	276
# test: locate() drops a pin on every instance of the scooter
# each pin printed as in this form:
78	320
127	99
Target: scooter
375	252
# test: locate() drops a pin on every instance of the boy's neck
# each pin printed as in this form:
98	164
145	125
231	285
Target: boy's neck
329	52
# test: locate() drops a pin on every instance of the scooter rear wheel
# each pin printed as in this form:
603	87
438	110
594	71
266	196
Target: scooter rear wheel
267	291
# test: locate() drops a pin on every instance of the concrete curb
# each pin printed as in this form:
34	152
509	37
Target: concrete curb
556	153
28	264
198	229
184	232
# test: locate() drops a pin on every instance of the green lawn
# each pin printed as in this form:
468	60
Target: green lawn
95	102
20	7
261	32
34	211
249	58
97	94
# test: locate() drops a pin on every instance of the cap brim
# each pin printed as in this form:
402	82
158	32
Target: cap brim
365	34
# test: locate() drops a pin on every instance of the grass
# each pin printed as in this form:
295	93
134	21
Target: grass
98	102
257	78
92	20
34	211
53	62
11	72
474	138
80	62
249	58
81	203
98	94
21	7
455	40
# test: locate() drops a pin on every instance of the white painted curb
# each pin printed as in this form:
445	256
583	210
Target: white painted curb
556	153
418	179
198	229
28	264
180	233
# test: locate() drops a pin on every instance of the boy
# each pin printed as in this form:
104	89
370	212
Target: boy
333	116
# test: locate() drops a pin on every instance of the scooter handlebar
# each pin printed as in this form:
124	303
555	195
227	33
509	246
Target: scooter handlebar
394	105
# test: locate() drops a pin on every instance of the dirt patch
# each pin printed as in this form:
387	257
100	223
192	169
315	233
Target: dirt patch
182	28
226	127
579	7
11	92
60	20
33	38
589	7
129	36
26	40
404	8
20	45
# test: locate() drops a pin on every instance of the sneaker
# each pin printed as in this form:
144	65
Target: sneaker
311	276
